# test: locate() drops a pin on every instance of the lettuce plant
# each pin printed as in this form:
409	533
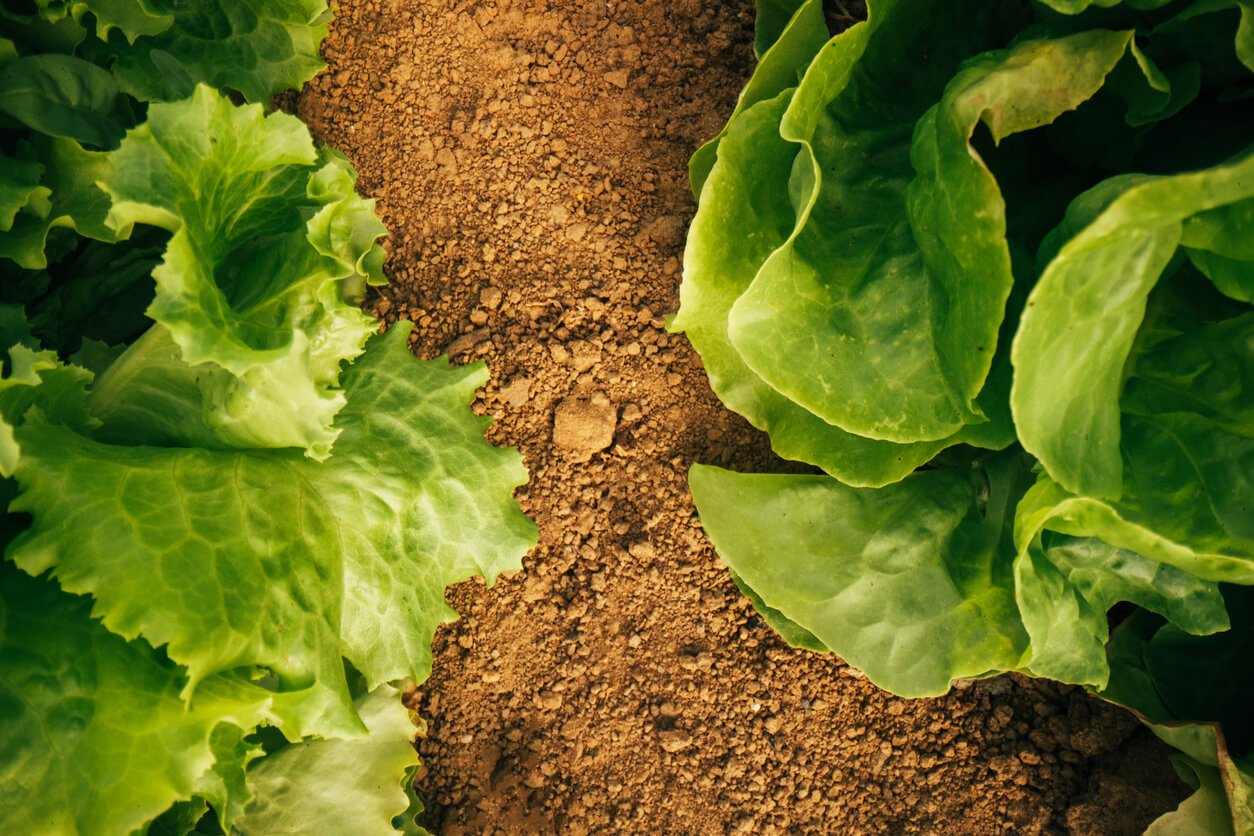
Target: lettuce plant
232	508
988	267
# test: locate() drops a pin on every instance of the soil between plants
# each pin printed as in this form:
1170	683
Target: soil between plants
530	160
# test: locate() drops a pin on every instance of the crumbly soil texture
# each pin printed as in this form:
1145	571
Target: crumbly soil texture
530	159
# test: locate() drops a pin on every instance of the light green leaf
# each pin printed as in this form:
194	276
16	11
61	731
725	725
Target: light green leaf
133	18
747	217
1220	242
911	582
225	785
1066	585
39	379
72	200
790	35
19	188
1083	315
788	630
62	96
241	559
1204	813
96	738
257	283
259	49
854	319
336	787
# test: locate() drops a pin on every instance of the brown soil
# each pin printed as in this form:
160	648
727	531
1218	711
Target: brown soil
530	157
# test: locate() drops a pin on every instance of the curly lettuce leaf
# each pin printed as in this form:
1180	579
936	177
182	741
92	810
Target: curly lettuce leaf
95	734
19	188
133	18
258	49
235	560
337	786
69	197
911	583
258	282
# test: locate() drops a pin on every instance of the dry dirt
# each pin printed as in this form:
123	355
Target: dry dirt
529	157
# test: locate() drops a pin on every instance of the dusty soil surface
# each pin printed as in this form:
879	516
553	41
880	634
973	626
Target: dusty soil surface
530	157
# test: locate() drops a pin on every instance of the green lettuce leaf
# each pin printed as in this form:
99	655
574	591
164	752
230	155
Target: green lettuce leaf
1192	692
258	283
63	96
789	35
133	18
337	786
95	735
68	198
19	188
747	188
1082	318
856	302
99	292
1066	585
1220	243
912	583
1205	812
258	49
236	560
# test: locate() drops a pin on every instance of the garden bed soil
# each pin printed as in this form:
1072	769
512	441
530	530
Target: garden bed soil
529	158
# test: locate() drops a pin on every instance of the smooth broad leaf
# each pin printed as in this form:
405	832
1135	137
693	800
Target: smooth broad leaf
1204	813
771	19
1194	692
910	583
1082	318
1066	585
802	32
257	286
882	313
62	96
336	787
95	735
267	559
1220	243
788	630
259	49
746	217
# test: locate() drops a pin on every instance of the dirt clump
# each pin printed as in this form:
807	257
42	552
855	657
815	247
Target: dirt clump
529	158
584	426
